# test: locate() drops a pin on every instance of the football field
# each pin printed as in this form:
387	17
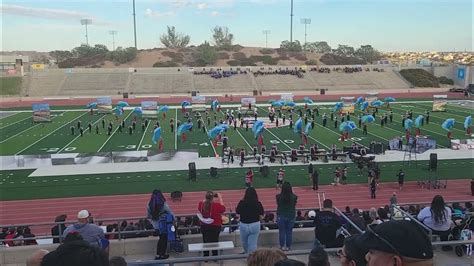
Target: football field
20	136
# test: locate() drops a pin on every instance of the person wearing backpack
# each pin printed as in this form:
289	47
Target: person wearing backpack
161	218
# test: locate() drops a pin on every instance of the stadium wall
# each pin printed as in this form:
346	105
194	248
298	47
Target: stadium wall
146	247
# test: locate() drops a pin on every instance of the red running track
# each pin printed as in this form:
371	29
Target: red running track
353	195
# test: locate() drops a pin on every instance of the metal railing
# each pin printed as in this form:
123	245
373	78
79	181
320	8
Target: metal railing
174	261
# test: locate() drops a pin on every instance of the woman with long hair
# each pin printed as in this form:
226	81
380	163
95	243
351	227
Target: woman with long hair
210	217
286	211
437	217
161	216
251	212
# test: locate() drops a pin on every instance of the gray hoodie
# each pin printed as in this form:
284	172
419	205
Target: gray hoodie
90	232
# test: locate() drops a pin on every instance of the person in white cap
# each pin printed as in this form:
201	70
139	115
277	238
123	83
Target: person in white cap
91	233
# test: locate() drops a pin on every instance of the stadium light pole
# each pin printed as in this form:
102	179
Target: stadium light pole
86	22
305	21
291	23
113	33
266	32
134	25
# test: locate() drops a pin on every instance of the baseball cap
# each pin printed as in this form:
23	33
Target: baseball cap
311	214
83	214
392	237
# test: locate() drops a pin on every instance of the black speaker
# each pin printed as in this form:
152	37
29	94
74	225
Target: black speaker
193	93
192	171
125	95
255	92
213	172
433	161
322	91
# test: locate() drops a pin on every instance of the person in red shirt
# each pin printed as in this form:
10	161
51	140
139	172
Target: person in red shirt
249	178
211	210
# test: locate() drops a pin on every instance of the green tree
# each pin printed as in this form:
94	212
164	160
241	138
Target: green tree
173	39
122	56
205	54
223	39
87	51
344	50
291	46
60	55
368	53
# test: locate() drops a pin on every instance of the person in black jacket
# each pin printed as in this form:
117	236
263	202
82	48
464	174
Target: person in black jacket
59	228
250	211
327	223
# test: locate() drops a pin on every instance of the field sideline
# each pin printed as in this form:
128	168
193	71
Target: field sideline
17	185
21	136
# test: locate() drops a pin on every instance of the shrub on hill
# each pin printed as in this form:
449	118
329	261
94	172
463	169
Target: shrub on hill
283	57
122	56
234	63
332	59
299	56
223	56
267	51
420	78
82	61
204	55
166	64
445	80
311	62
268	60
239	56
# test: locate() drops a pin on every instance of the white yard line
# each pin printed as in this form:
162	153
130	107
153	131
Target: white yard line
281	141
309	136
462	122
111	135
244	138
16	122
237	129
144	133
176	130
214	148
67	145
50	133
21	132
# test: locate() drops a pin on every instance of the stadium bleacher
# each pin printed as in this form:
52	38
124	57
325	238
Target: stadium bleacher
83	82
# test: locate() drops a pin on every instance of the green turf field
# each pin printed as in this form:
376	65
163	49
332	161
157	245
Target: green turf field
16	184
21	136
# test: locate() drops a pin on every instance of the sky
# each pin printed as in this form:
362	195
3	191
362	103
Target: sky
387	25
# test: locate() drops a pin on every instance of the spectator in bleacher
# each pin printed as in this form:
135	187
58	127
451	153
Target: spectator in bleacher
437	217
469	207
59	228
357	219
388	244
382	215
251	212
351	253
265	257
36	258
76	253
318	257
160	215
286	210
91	233
117	261
327	224
373	216
211	210
27	234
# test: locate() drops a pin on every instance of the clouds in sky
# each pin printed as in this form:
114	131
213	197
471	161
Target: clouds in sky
49	13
